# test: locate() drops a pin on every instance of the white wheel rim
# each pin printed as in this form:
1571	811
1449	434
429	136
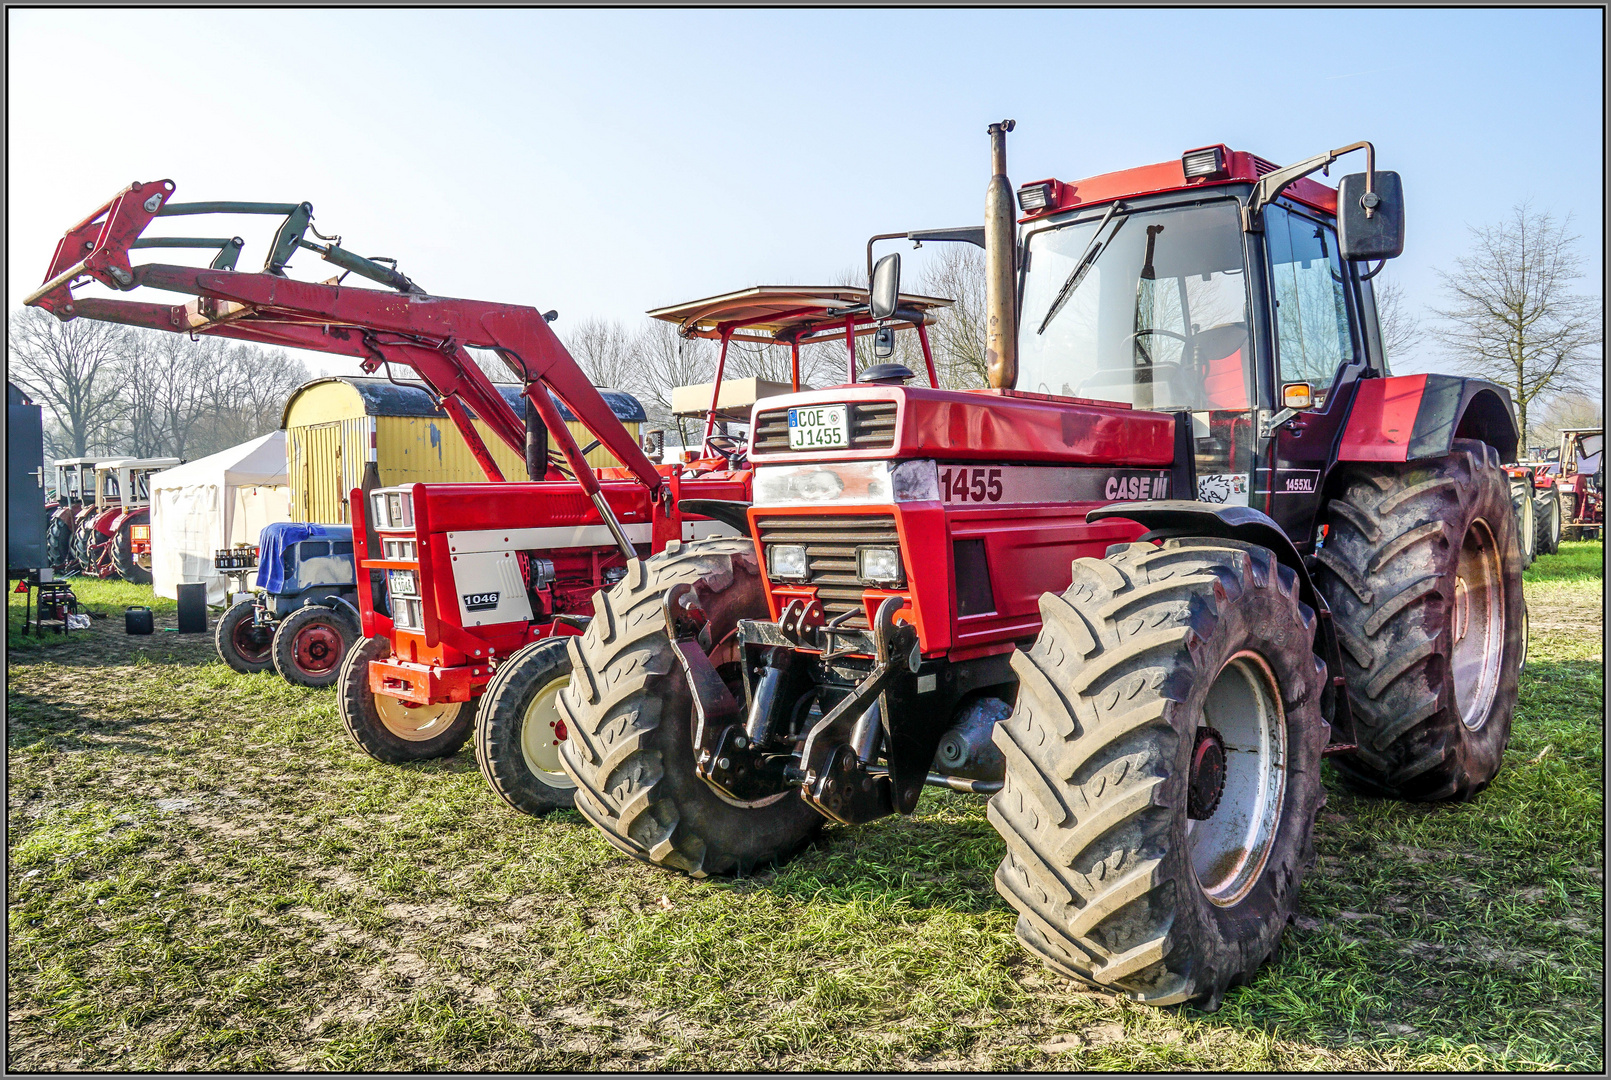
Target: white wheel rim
542	729
1478	627
416	723
1229	849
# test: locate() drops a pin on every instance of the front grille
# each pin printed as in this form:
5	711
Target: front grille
872	427
830	544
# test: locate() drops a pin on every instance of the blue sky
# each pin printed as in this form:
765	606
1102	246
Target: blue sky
606	162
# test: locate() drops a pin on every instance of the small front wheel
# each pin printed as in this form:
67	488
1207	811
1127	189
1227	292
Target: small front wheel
519	731
309	645
391	730
243	644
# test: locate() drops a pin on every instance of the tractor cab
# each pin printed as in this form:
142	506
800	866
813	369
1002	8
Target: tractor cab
74	476
1221	296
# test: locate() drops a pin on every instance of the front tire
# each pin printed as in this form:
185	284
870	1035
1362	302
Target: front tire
390	730
519	730
244	646
1422	571
1521	500
629	714
1547	522
1158	671
127	563
310	644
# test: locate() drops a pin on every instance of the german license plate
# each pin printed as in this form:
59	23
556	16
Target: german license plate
818	427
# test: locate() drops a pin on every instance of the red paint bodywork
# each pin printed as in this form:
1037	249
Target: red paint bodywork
1383	419
995	425
1241	168
1029	549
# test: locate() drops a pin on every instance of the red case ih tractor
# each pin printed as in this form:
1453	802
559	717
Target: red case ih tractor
940	589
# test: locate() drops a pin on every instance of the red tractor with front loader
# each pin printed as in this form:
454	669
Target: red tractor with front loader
459	583
1193	539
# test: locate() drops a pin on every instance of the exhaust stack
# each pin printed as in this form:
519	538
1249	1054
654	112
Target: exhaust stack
1001	321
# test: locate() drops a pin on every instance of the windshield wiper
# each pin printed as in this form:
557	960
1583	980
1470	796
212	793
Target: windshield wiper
1087	260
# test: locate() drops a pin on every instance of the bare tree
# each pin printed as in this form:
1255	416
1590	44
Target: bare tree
73	369
1561	412
957	272
604	350
1513	317
1401	330
668	360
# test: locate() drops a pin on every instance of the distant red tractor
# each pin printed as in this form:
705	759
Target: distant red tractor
1193	538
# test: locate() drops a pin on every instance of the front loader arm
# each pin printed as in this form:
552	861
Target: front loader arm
428	334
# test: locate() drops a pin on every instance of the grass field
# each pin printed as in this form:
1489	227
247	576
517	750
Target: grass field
205	874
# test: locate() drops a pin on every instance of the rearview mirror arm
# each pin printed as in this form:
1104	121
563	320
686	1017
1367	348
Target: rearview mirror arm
1273	184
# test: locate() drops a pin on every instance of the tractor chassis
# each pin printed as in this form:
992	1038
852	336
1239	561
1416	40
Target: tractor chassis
869	685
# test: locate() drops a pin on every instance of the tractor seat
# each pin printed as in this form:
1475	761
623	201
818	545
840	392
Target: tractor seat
1218	350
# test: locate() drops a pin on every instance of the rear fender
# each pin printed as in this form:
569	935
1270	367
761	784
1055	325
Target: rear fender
1168	518
1414	417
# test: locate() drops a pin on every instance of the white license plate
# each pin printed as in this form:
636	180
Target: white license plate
401	583
818	427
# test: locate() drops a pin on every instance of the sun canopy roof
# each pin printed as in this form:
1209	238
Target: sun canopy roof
768	313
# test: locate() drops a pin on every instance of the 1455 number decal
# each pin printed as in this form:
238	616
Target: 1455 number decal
970	485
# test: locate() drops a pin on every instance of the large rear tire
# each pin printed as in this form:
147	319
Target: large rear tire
1547	522
1160	671
390	730
629	714
1521	501
58	546
1422	570
244	646
310	644
84	535
519	730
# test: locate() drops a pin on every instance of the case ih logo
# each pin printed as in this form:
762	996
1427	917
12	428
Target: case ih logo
1148	486
480	601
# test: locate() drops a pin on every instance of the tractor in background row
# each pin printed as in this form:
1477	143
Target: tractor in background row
1577	473
111	535
1192	539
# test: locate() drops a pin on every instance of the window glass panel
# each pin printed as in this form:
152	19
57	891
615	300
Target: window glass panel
1311	316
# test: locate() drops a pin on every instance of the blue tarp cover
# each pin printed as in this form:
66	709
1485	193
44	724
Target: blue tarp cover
281	535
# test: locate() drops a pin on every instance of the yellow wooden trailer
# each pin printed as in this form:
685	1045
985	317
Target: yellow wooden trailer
335	426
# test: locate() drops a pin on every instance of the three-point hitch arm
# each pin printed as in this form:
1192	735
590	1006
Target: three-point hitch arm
430	335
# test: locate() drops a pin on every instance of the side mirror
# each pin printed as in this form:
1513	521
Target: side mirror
884	342
1379	236
885	288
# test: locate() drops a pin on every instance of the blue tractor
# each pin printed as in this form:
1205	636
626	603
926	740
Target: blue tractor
305	617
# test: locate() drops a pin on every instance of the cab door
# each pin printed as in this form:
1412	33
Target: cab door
1314	327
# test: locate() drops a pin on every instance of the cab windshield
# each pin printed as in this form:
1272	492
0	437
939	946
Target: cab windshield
1156	318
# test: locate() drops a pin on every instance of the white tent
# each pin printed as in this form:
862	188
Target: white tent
214	502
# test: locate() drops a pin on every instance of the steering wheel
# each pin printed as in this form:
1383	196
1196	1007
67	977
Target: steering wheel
730	447
1182	338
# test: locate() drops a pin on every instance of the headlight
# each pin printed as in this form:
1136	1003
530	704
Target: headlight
139	532
878	565
379	501
788	561
408	615
402	583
